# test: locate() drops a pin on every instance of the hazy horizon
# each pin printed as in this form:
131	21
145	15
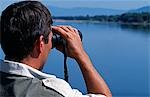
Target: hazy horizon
108	4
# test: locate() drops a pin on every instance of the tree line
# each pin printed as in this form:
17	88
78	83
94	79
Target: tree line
123	18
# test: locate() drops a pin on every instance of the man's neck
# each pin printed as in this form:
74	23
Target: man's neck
33	62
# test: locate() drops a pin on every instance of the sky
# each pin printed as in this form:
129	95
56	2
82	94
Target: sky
112	4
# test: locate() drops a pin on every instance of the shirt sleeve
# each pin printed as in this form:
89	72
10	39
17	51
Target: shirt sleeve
65	89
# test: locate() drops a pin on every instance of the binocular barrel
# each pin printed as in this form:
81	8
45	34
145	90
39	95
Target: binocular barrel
58	40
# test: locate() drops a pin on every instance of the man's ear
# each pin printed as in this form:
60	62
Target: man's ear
41	43
38	47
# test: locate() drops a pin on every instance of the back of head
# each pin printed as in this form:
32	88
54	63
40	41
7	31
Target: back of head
22	24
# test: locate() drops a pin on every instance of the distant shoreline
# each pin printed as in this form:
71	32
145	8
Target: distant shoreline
94	21
125	18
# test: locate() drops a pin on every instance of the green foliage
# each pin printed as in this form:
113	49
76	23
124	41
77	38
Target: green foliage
123	18
135	18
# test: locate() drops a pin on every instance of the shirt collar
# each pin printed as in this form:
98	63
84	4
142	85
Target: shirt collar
17	68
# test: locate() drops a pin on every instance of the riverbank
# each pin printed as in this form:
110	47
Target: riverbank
94	21
125	18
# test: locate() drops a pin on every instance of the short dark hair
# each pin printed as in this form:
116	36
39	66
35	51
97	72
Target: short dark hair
22	24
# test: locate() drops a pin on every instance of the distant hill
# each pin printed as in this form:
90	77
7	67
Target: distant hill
83	11
140	10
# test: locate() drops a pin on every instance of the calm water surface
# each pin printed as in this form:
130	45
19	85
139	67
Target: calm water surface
118	52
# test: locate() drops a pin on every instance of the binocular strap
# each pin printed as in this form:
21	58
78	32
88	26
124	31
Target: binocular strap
65	64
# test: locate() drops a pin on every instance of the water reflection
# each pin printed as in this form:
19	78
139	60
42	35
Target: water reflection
136	28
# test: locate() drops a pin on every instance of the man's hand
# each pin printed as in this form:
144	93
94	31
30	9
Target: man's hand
71	36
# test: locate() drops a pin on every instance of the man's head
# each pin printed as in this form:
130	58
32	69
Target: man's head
22	25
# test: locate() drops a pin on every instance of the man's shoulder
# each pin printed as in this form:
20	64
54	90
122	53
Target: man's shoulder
24	86
58	84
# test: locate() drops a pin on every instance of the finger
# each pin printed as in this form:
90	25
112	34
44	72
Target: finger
71	28
65	28
60	31
76	30
68	29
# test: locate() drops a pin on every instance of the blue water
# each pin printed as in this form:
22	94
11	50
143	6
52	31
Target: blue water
119	53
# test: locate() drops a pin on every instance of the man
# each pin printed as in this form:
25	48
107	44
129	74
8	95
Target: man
26	34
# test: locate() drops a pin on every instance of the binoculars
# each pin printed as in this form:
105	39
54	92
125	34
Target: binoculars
58	40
